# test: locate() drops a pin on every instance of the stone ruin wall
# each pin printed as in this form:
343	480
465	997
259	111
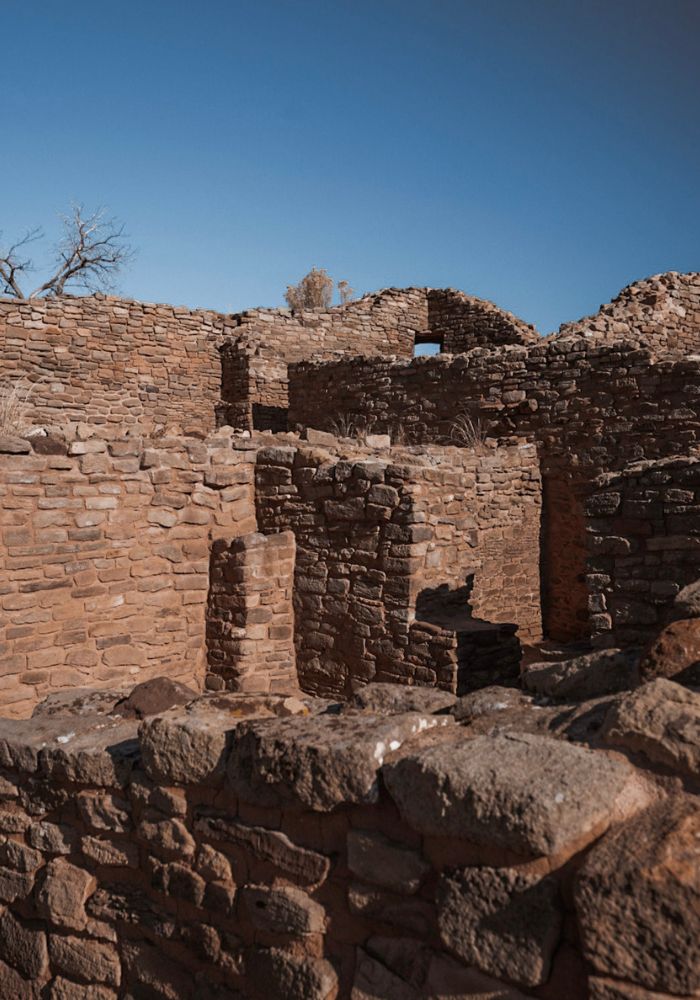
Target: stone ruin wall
115	363
262	848
590	408
250	614
663	311
402	843
372	534
643	528
104	556
100	539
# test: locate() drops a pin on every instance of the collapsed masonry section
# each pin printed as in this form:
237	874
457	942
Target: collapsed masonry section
375	537
644	539
280	847
250	617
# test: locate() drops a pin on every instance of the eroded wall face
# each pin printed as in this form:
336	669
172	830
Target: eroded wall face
250	615
375	537
115	363
644	546
104	558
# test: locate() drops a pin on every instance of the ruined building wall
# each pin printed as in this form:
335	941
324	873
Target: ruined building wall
387	323
463	322
114	362
104	557
595	406
662	311
372	535
203	855
643	528
250	615
590	408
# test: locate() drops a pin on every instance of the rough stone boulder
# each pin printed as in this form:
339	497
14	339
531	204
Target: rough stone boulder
489	701
154	696
503	921
661	719
395	699
686	603
529	794
674	653
601	672
637	899
189	744
320	761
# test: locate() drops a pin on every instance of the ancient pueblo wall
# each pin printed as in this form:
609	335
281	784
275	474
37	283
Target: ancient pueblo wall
104	556
261	847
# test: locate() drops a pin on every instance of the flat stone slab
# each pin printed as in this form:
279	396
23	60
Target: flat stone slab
637	899
319	761
601	672
394	699
88	749
503	921
189	744
530	794
661	719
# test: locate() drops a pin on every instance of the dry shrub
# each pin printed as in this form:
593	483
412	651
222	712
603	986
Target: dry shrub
15	406
348	425
465	432
345	292
315	291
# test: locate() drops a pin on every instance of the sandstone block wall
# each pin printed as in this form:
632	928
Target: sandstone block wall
643	528
250	617
104	557
222	850
114	362
663	311
373	535
462	322
597	407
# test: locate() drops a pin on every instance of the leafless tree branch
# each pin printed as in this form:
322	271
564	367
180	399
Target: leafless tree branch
93	250
90	255
13	264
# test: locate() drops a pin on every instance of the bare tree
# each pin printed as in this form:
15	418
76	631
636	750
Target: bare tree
315	291
93	250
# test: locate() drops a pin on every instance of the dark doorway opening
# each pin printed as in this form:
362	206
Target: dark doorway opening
487	652
563	555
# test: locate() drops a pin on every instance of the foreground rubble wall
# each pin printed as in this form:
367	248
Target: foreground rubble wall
643	527
264	848
104	555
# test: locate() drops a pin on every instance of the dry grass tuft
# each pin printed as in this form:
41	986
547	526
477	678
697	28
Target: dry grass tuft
466	432
15	406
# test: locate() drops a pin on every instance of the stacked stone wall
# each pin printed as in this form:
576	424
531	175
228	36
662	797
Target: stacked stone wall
205	855
114	362
592	407
462	322
662	311
373	534
104	556
250	617
643	528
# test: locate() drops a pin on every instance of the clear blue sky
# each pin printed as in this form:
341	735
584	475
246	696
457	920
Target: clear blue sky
540	153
